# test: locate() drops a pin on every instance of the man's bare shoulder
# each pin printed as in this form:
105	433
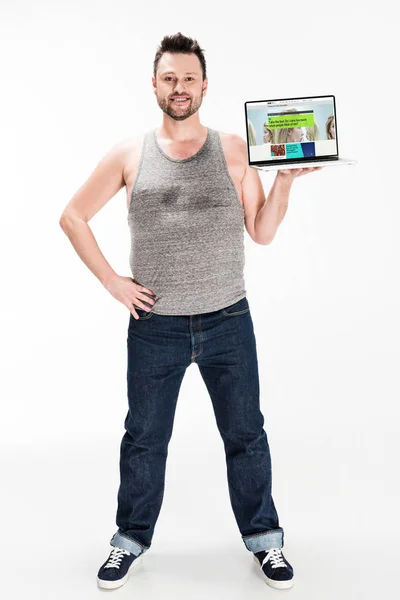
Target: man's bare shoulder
234	146
233	142
132	143
130	149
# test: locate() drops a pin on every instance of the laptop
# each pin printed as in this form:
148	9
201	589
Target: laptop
292	133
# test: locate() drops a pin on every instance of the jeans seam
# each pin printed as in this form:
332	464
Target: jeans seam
201	341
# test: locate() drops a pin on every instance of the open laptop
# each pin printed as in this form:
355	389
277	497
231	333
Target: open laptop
292	133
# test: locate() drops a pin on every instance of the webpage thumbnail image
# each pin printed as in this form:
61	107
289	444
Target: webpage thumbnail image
282	132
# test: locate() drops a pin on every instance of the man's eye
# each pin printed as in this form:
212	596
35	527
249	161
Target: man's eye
171	78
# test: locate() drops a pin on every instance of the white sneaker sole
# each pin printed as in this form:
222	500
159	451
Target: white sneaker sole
111	585
280	585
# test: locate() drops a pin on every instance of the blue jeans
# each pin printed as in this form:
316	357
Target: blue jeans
160	348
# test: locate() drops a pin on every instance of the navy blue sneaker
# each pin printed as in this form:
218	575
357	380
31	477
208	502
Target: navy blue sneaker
278	573
117	568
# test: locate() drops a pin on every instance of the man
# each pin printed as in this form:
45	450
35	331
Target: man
190	193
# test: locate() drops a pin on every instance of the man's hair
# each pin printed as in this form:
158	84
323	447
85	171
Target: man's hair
179	44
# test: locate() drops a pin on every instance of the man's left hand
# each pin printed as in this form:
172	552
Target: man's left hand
292	173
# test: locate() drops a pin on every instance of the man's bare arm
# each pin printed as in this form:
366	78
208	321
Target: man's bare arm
105	181
252	190
264	215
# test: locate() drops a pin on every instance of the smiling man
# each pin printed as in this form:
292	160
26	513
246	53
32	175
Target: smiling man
190	195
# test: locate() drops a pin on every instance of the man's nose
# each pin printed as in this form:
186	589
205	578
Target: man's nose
179	89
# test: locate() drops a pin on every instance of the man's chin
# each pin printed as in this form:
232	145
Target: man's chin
177	117
180	117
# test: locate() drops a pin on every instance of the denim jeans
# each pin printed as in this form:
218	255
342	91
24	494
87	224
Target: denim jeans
160	348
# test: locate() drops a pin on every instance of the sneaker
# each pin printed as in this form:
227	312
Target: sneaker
116	570
277	571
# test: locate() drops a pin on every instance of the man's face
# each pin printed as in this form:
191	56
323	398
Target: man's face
179	75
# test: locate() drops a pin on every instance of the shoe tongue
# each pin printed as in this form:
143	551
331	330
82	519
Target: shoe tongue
122	550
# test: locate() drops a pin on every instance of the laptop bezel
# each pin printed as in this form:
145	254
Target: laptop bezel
292	161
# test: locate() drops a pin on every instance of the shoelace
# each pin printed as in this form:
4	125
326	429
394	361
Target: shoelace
276	558
115	557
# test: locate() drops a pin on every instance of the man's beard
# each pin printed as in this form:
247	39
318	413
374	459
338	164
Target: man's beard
177	113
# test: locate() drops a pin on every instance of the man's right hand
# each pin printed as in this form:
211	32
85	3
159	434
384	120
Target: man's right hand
129	293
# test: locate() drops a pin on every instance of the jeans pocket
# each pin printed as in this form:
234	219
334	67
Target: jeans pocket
238	308
143	314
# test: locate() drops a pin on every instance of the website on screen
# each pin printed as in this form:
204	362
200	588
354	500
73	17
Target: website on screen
291	129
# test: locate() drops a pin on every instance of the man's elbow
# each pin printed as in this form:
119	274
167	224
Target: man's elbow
67	220
263	241
262	237
64	221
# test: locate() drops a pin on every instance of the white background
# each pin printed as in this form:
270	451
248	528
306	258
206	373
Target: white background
324	298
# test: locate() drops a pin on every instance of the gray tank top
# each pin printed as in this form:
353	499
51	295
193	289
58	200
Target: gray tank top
187	229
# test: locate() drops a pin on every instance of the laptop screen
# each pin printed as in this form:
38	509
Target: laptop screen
291	129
